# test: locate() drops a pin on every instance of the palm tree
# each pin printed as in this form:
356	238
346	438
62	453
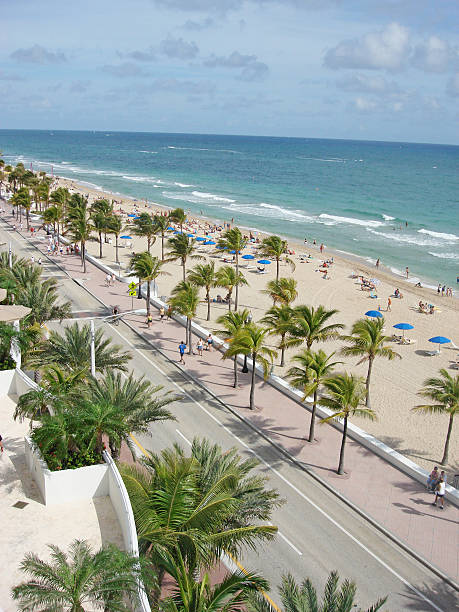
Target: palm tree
53	215
204	275
161	223
309	326
274	248
79	223
81	579
191	595
283	290
345	397
185	301
146	268
444	391
250	341
180	513
137	399
303	598
115	226
145	226
233	240
278	320
22	199
367	340
228	277
232	322
42	298
309	376
72	350
178	215
99	225
182	247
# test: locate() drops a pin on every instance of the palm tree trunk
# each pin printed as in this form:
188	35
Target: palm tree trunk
148	298
252	385
208	304
235	372
282	361
313	418
162	247
448	435
100	245
27	218
367	382
343	443
236	301
277	269
188	326
116	249
184	271
83	256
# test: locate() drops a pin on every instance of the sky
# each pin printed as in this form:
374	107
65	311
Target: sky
356	69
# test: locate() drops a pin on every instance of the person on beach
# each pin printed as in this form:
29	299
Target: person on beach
389	303
433	479
200	347
162	312
377	263
407	272
209	342
321	248
440	490
182	349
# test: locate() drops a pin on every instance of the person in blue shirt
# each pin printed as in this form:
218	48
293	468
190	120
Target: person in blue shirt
182	349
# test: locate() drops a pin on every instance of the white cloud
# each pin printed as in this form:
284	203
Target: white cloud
386	49
373	83
434	55
364	104
38	55
178	48
252	69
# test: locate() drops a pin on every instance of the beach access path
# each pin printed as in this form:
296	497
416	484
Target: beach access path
396	501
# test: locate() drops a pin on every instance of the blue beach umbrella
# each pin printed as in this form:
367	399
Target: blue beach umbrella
209	242
264	262
248	257
375	314
191	235
170	228
403	327
132	215
439	340
126	237
233	252
220	247
200	239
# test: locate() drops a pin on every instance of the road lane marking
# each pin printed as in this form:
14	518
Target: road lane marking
294	488
182	436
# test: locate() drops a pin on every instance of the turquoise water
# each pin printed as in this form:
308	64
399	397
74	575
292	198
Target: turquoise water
354	196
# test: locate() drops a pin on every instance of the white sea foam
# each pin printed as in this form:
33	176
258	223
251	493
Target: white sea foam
152	152
407	238
445	255
448	237
198	197
211	196
337	160
271	211
203	149
183	185
351	220
387	217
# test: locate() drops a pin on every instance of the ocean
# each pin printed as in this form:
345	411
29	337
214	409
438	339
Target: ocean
393	201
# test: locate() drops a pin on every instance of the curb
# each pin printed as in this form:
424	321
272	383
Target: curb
450	581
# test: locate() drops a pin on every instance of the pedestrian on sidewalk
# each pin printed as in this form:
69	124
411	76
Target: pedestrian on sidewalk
108	278
433	479
389	303
200	346
149	321
113	280
162	312
209	341
1	444
182	349
440	490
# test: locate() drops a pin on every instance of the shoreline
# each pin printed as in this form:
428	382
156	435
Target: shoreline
383	273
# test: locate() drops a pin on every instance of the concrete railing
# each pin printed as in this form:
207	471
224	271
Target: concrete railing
123	509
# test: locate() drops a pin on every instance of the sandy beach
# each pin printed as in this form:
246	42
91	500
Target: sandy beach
394	383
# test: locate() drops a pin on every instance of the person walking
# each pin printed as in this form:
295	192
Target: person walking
149	321
440	490
200	347
182	349
209	341
433	479
162	312
407	272
389	303
377	263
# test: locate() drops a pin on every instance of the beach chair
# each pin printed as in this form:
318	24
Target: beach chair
432	353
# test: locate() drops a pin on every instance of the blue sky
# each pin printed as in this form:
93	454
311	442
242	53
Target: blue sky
370	69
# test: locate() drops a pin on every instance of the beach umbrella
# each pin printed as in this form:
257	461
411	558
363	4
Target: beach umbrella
264	262
132	215
191	235
233	252
439	340
209	242
170	228
220	247
248	257
403	327
374	313
201	239
126	237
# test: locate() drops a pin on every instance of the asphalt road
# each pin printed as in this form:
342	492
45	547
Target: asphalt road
317	532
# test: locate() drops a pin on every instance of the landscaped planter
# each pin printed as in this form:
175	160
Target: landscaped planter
65	485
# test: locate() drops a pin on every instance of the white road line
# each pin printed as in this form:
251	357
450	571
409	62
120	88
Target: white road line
281	535
182	436
294	488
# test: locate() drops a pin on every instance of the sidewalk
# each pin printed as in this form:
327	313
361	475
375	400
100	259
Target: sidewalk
393	499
